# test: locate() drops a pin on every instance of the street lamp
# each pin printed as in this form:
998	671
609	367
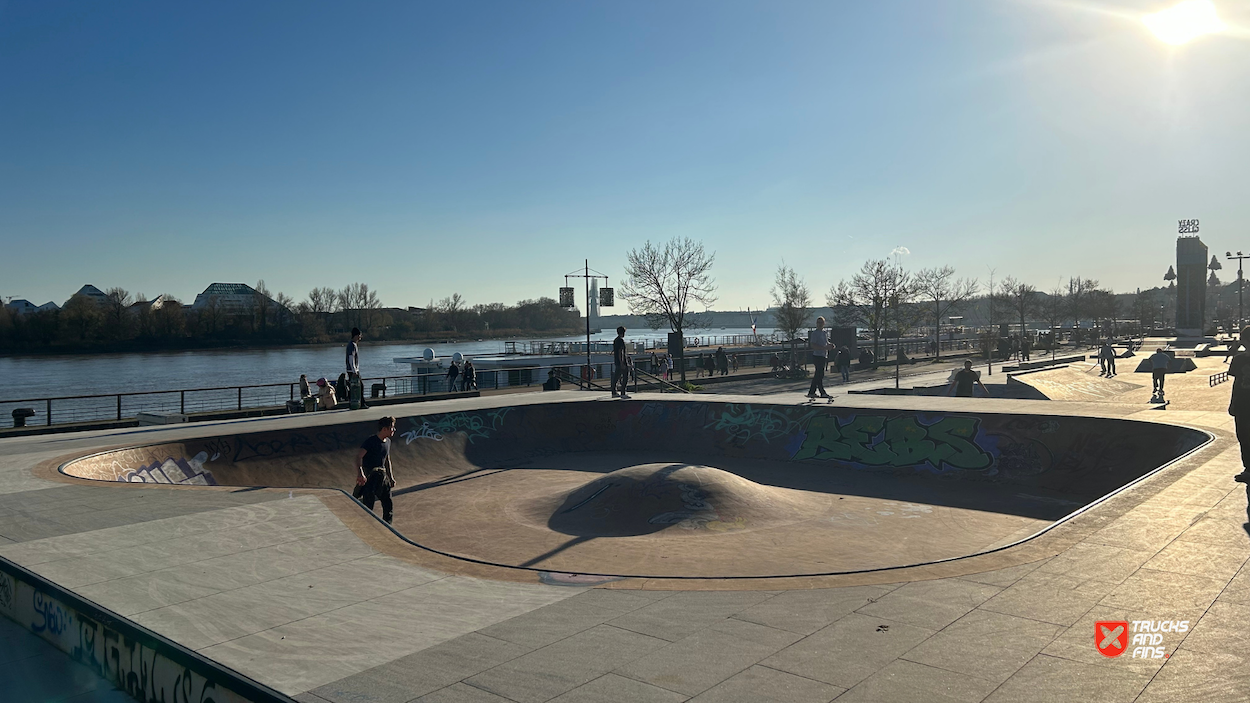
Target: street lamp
606	297
1239	258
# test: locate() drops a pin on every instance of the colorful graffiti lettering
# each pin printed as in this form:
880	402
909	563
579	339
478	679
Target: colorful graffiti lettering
422	432
475	426
744	423
873	440
187	472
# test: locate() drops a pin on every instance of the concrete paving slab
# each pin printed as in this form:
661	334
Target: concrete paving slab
702	660
903	680
985	645
848	650
760	684
611	688
805	612
1211	677
1046	679
681	614
930	604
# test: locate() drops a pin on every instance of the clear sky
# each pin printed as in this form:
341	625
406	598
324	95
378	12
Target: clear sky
486	148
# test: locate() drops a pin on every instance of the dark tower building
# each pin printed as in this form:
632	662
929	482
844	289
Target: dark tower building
1191	286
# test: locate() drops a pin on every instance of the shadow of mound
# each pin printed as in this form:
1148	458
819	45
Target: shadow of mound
646	499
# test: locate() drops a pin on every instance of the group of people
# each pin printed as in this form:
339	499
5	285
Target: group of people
330	394
662	365
459	379
710	364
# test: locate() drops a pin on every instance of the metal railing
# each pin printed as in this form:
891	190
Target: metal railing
103	407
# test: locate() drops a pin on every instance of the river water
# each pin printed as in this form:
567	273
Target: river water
86	374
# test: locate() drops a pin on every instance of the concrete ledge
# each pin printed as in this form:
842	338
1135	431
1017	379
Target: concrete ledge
136	660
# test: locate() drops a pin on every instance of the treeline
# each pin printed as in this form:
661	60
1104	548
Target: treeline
126	322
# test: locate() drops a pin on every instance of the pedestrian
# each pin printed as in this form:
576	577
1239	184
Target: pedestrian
453	372
620	370
1107	356
962	385
468	377
325	395
668	367
818	340
722	361
1158	370
733	361
353	367
374	476
655	363
304	390
1025	347
1239	405
844	363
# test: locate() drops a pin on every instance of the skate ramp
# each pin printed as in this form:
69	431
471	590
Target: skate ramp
696	489
1083	385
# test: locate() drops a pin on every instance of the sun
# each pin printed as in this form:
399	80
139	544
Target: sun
1186	21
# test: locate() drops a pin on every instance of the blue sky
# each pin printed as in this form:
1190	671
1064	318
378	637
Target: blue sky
486	148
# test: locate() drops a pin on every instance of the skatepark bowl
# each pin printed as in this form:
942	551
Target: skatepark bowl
695	489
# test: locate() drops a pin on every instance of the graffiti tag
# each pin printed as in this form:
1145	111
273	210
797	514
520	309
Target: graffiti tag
50	616
474	426
744	423
901	441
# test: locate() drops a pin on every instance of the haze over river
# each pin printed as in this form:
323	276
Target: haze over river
87	374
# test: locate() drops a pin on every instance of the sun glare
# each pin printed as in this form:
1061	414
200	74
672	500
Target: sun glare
1186	21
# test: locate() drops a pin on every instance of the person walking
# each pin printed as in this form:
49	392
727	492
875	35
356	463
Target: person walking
818	340
964	382
722	361
668	367
374	476
353	368
468	377
453	374
844	363
655	363
620	370
1239	405
1026	346
1158	370
1107	356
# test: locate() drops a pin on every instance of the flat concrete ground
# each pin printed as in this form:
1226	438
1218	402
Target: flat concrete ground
302	593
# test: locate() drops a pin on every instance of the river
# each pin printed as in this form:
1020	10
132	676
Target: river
86	374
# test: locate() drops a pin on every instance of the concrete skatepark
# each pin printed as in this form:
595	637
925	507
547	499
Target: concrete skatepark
562	546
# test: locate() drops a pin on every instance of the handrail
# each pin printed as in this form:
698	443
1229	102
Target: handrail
582	383
656	379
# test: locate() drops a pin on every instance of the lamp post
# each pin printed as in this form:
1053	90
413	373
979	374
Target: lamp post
1239	258
605	298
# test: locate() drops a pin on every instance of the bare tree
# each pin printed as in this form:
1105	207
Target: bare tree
664	284
322	300
871	298
792	298
1104	307
942	294
116	303
283	306
1053	308
82	315
1021	299
1078	300
262	305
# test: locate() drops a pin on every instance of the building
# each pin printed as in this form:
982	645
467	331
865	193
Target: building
93	294
148	305
230	298
25	307
1191	286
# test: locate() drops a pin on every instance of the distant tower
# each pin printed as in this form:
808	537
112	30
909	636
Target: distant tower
593	306
1191	286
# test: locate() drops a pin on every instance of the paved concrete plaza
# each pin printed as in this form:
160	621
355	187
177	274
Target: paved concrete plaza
300	590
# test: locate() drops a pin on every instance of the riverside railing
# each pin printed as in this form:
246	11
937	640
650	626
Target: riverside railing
105	407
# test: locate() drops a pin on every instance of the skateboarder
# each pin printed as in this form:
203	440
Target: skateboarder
964	382
1239	405
374	476
1158	370
620	374
1107	356
353	367
818	340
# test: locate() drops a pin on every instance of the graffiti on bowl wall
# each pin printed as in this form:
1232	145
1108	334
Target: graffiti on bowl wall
186	472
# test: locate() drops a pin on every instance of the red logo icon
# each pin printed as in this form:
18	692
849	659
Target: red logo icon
1111	637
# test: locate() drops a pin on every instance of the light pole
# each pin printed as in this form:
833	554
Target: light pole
1239	258
605	298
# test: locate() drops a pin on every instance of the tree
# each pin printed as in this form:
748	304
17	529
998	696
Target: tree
665	283
116	305
943	294
1053	308
1021	298
1078	299
82	315
262	305
1104	308
322	301
867	300
792	298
